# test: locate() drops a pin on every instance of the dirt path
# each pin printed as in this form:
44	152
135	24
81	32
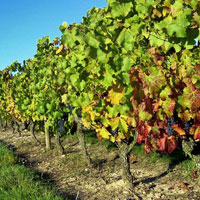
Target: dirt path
73	179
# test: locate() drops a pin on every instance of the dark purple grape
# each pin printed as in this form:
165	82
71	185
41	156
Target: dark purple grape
65	117
61	126
170	122
114	131
170	130
189	124
70	106
79	113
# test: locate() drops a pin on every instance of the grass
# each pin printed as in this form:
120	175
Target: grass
7	157
18	182
176	158
188	166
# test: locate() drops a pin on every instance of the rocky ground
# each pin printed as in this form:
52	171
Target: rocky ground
74	180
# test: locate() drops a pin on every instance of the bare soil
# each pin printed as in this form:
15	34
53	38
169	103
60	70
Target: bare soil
74	180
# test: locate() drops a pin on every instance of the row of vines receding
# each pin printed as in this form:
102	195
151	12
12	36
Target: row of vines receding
129	71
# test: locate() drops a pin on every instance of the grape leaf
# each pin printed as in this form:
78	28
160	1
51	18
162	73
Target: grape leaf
104	133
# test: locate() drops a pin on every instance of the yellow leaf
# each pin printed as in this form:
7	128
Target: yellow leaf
131	121
114	123
86	123
157	12
46	88
64	98
34	118
123	125
89	111
104	133
112	139
115	95
60	49
86	109
120	137
165	11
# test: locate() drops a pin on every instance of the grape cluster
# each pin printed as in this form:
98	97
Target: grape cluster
70	106
170	122
189	124
79	113
65	117
114	131
61	126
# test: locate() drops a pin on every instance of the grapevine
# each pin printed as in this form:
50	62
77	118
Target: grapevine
123	72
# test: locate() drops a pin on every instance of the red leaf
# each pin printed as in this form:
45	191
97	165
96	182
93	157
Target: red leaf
156	105
191	95
148	101
194	174
163	143
171	144
147	147
140	138
198	116
159	59
168	144
143	130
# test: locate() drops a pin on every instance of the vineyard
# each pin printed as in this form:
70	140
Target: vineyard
129	74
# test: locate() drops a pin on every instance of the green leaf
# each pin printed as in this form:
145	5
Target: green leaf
197	84
101	56
113	111
142	10
126	64
143	114
126	39
68	40
61	78
74	78
111	1
177	47
123	125
104	121
175	28
166	92
168	46
156	41
108	79
121	9
57	115
126	79
115	123
91	40
41	109
168	106
82	85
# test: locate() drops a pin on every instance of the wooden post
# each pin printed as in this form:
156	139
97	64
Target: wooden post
47	137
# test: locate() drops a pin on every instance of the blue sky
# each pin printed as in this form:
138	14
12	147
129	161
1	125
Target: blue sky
23	22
